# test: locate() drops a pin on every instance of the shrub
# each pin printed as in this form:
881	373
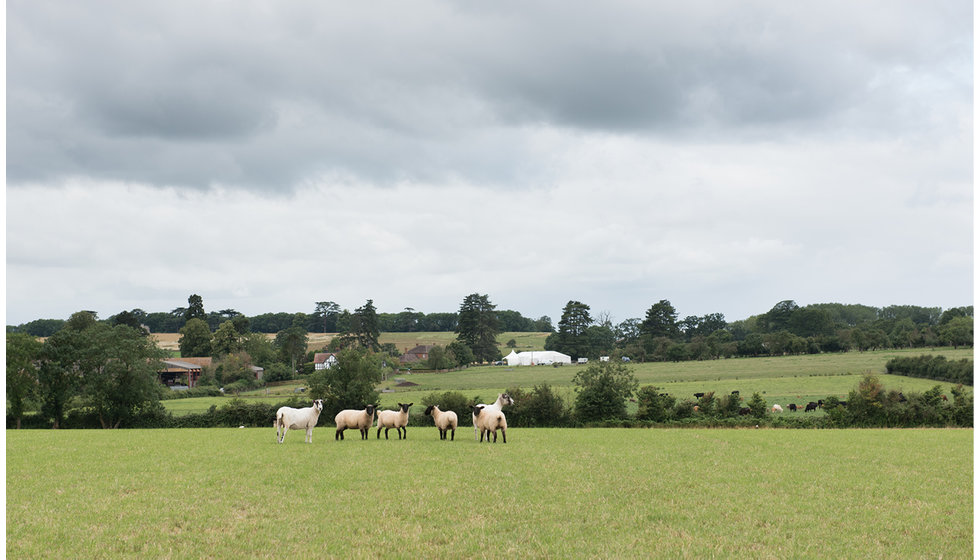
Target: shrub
602	390
654	405
757	406
540	407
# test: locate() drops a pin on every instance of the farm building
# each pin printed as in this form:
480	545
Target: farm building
187	371
418	354
536	358
324	360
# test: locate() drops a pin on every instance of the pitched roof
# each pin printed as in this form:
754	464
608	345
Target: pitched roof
321	357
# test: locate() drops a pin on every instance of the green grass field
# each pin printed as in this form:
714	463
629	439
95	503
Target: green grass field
781	380
547	493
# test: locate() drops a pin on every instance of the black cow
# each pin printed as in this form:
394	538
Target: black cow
698	395
744	411
811	406
792	406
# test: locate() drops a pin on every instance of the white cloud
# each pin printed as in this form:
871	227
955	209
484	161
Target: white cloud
722	158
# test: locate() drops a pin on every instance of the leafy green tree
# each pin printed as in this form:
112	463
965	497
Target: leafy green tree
778	318
118	372
349	384
59	374
660	321
81	320
195	309
957	332
23	352
602	390
601	340
234	367
291	344
439	358
628	332
260	348
461	353
543	324
478	327
195	339
130	320
226	340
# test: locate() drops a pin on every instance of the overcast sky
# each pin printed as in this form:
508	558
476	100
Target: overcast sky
723	156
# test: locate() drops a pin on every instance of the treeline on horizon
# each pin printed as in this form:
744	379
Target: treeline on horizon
903	323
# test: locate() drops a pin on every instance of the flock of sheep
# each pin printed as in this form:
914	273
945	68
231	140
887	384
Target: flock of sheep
487	418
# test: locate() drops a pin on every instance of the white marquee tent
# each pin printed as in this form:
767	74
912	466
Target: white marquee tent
537	357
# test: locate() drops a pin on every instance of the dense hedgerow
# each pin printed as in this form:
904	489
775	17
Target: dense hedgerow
933	367
870	405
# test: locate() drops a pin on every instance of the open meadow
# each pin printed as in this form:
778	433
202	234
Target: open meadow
547	493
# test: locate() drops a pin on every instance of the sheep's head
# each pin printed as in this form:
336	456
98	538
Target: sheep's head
404	407
318	405
428	411
369	409
476	409
506	399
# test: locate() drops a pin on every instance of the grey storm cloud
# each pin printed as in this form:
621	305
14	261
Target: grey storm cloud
257	96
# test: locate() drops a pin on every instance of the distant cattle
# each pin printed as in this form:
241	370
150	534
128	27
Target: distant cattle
810	406
792	407
698	395
744	411
777	408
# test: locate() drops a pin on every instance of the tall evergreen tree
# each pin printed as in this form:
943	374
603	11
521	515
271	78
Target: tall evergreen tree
478	327
661	321
364	326
572	337
195	309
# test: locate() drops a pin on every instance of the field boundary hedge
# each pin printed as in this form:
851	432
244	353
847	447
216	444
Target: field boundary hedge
933	367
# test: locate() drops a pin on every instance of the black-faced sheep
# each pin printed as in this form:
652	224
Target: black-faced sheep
359	419
503	399
445	421
397	419
288	418
490	420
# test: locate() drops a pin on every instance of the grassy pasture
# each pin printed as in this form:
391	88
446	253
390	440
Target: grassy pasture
547	493
781	380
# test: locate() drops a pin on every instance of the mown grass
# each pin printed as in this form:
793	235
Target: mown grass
547	493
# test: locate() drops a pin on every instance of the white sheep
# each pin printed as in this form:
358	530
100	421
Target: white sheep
777	408
360	419
397	419
490	420
445	421
502	400
288	418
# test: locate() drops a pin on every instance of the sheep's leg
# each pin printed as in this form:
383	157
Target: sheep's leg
404	432
454	435
309	435
339	435
379	432
503	434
